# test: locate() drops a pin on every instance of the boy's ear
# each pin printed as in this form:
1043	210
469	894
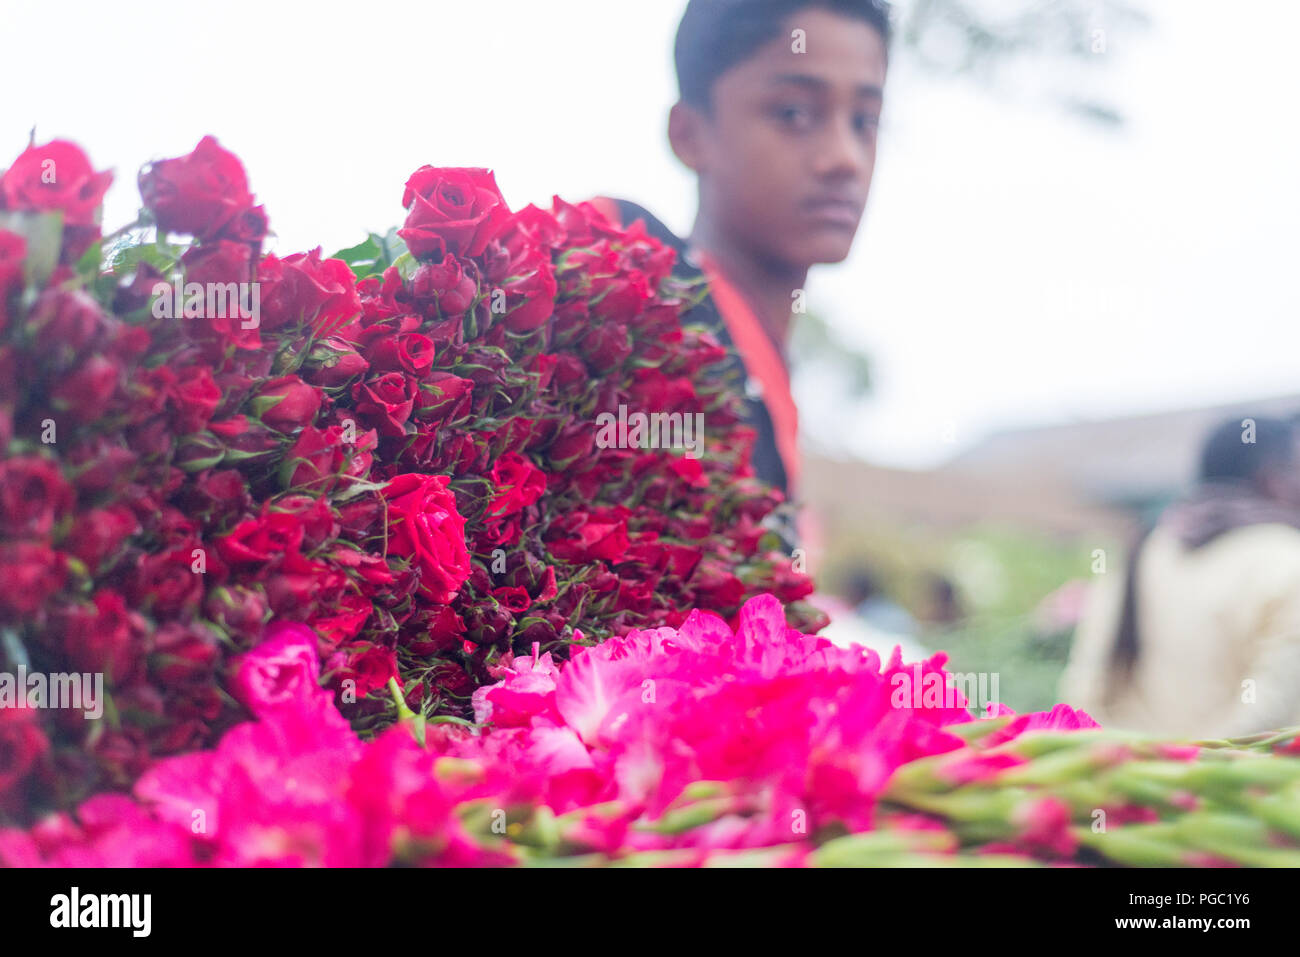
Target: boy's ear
684	135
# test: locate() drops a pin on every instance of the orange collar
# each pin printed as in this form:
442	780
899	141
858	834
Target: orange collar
762	362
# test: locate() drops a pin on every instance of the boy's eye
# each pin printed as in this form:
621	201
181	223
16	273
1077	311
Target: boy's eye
793	116
866	123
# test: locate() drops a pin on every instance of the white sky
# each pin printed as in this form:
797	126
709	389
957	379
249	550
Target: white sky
1015	266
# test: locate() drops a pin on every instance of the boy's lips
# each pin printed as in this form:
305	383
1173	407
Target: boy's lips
834	210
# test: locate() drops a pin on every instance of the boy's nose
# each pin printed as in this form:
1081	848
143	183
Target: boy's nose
842	153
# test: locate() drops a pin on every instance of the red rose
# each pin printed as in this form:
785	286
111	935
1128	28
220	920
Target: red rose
64	320
98	636
452	679
573	442
530	291
317	458
287	403
250	226
337	363
224	262
386	402
299	587
13	250
258	541
583	224
199	193
425	527
85	392
22	745
452	210
304	289
583	537
512	598
314	514
369	667
182	654
716	589
34	497
343	620
443	397
56	177
97	534
410	352
245	438
519	483
620	298
445	285
445	629
102	466
194	398
31	573
239	610
167	583
533	226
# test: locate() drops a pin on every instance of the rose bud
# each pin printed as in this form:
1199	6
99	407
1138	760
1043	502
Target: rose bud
530	296
193	398
216	497
65	321
287	403
98	534
445	285
315	460
240	610
99	636
22	743
336	363
31	573
445	631
443	397
34	497
386	402
182	654
198	452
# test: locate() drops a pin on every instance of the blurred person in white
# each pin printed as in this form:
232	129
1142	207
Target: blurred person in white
1199	637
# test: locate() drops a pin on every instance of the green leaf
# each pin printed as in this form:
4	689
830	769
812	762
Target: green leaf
366	258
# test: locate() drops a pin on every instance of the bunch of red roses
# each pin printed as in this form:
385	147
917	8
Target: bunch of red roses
397	447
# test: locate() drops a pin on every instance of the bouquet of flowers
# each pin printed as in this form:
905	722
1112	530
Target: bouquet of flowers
405	448
682	746
373	571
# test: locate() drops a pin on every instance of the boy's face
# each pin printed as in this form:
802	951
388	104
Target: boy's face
786	157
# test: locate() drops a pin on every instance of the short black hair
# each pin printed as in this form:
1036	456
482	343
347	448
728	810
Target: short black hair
716	35
1230	455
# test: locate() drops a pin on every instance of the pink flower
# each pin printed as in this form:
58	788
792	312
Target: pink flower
527	690
1060	718
279	673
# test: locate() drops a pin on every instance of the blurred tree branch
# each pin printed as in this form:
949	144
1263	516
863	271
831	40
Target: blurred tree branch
981	38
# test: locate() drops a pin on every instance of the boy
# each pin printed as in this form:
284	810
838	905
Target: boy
780	102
